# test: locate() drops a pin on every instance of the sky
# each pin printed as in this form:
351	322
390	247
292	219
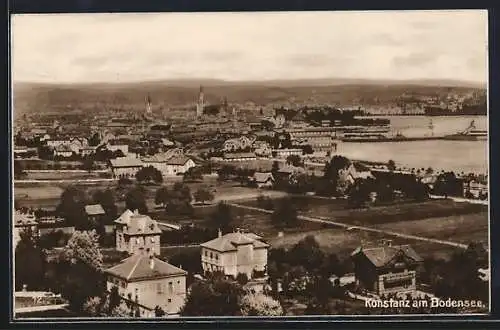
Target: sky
83	48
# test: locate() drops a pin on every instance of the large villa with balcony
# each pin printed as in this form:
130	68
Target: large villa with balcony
235	253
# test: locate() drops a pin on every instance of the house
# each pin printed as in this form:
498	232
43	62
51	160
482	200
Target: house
136	233
355	171
179	165
386	269
48	225
97	215
76	143
263	179
149	282
125	167
87	151
115	146
283	153
239	156
475	189
23	222
63	150
236	253
171	162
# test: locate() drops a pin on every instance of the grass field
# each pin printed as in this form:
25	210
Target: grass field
343	242
62	175
336	209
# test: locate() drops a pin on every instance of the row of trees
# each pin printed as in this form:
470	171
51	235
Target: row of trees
218	296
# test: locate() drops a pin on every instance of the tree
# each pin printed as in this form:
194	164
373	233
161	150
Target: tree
179	200
121	310
149	174
222	217
429	171
108	202
83	246
114	299
259	304
285	214
72	208
359	193
135	199
448	184
94	140
193	174
331	173
307	253
391	165
80	270
19	172
161	196
88	164
213	297
307	149
159	312
30	262
203	195
242	278
294	160
92	306
275	168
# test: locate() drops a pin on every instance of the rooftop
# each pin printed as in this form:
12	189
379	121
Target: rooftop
95	209
126	162
381	256
138	224
141	267
229	242
263	176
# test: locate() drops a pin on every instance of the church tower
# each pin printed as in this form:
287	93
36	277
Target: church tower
148	105
201	103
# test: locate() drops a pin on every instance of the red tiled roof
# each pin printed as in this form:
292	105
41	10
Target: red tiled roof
141	267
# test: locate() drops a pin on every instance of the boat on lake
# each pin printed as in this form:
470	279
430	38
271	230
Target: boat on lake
469	134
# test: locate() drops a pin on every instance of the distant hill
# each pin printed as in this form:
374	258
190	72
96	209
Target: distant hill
42	97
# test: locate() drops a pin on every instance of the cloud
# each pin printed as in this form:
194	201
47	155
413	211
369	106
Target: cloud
414	60
249	46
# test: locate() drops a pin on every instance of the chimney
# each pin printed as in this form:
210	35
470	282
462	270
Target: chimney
220	233
180	266
136	212
151	262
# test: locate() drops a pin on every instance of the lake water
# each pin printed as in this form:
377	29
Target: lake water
467	156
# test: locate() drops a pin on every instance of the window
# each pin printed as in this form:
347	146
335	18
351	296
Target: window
211	255
216	256
123	284
159	288
206	254
169	300
178	282
170	287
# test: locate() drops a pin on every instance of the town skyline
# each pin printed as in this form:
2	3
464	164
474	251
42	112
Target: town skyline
413	45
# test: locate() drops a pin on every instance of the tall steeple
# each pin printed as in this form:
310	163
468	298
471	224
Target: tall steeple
148	105
201	103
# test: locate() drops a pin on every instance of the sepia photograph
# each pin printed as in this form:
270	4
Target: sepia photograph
249	164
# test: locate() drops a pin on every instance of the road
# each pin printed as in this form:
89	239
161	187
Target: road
360	228
462	200
65	180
